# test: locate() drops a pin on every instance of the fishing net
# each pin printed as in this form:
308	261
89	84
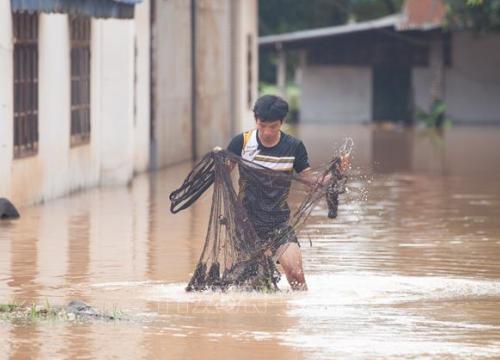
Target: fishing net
255	210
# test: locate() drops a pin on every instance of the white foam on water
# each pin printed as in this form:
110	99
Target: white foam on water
117	285
176	292
367	315
329	289
359	347
347	314
373	288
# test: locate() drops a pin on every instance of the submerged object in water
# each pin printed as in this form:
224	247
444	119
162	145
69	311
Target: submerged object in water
8	210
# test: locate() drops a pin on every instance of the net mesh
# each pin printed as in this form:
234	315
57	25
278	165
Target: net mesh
250	217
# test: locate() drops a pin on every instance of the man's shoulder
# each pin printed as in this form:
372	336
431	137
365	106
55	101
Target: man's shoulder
242	134
291	140
236	144
238	136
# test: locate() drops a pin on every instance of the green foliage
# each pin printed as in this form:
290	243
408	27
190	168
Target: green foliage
7	308
21	313
479	15
362	10
436	117
281	16
116	314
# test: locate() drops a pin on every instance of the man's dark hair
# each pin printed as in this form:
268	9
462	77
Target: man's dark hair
270	108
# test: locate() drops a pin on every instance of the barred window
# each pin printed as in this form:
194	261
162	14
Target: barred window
80	35
25	31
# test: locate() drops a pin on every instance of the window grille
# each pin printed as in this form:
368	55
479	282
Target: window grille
25	31
80	35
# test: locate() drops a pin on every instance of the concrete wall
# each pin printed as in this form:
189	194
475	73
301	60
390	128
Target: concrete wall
117	100
213	49
54	109
48	174
120	95
6	98
222	28
119	141
142	93
244	24
226	33
336	94
472	83
172	82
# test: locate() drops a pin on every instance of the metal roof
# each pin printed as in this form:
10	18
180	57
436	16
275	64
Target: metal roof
129	2
122	9
385	22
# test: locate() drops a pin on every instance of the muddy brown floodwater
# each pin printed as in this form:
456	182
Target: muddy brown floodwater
410	269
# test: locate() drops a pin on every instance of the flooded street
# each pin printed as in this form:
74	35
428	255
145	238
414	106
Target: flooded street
409	269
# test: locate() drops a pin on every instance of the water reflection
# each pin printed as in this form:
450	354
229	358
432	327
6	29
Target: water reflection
410	268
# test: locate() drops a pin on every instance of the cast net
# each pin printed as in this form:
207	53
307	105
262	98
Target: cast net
255	212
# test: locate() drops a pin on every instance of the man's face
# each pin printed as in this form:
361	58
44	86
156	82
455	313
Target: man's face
269	131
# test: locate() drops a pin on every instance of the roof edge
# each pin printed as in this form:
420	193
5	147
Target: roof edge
387	21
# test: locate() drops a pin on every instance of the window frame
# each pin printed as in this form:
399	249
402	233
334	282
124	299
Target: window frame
80	40
25	31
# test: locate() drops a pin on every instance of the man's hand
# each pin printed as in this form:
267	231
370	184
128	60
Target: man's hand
313	178
345	163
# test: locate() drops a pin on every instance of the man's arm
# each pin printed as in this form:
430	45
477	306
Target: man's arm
311	178
308	176
235	147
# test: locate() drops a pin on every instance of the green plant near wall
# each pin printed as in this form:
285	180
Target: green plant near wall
436	117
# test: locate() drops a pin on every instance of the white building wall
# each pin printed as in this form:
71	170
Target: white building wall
142	87
54	104
116	54
47	174
119	140
336	94
6	98
472	83
120	95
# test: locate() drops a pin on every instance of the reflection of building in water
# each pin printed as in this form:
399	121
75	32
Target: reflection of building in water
461	151
386	69
392	150
78	250
92	92
24	260
175	242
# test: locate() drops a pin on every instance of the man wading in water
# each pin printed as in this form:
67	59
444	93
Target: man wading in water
267	145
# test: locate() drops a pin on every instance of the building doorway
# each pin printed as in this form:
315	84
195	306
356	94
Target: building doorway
391	94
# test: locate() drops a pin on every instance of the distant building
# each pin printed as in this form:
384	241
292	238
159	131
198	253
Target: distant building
94	91
386	69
